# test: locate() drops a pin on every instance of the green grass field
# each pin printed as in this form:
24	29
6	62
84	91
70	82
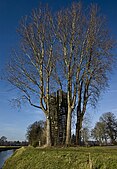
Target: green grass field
63	158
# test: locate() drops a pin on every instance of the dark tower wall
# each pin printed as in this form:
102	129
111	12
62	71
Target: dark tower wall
58	114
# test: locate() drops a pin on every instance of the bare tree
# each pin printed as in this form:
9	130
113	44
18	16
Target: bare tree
97	61
110	122
36	133
73	52
85	131
69	33
106	129
30	70
86	59
99	133
85	134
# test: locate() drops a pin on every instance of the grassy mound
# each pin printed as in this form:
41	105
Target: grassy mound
63	158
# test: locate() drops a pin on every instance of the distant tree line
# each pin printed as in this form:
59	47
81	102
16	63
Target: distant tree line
5	142
103	133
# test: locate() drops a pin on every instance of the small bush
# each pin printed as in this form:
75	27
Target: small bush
35	144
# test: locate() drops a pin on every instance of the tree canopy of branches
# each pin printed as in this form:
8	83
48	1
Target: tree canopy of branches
106	128
71	51
99	133
3	140
110	122
86	59
36	133
30	70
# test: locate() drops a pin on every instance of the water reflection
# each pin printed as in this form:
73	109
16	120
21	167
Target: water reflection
4	155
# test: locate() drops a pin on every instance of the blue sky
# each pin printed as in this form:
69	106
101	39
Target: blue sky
14	122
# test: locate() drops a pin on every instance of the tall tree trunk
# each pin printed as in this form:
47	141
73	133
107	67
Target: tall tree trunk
68	131
48	134
78	125
78	132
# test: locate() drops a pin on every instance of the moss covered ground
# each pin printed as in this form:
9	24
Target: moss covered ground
63	158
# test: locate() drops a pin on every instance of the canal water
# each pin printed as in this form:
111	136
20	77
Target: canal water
4	155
